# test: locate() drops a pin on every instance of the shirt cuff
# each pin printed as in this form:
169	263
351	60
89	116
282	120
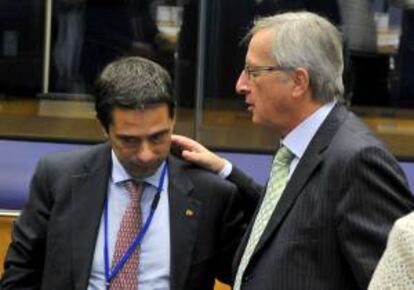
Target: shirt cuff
227	169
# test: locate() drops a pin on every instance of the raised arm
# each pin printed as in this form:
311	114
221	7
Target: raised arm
194	152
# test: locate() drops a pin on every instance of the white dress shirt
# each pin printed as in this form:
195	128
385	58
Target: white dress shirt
298	139
154	267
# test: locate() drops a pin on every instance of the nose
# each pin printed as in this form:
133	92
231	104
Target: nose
242	85
145	153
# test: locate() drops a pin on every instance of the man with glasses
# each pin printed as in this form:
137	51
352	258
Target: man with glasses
334	189
124	214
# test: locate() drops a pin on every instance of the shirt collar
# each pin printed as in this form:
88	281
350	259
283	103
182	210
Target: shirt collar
119	174
299	138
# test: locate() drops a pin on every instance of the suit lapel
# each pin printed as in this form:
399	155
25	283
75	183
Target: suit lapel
88	195
303	173
243	243
185	212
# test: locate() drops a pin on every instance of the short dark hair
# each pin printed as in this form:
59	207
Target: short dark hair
131	83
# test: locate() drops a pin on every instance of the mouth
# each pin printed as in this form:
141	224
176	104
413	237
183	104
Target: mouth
249	106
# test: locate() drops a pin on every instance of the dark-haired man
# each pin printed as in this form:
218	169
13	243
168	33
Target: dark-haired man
123	214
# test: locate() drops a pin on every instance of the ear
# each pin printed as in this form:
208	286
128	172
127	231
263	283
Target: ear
301	82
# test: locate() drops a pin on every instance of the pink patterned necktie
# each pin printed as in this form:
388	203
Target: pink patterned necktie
131	223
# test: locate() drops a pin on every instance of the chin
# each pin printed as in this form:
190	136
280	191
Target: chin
256	120
140	176
144	172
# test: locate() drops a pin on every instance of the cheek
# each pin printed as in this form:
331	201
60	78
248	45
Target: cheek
268	107
163	149
262	102
121	152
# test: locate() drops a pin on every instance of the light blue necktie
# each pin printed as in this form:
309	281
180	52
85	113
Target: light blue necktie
277	183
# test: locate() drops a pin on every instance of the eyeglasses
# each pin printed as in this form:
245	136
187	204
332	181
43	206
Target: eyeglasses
254	71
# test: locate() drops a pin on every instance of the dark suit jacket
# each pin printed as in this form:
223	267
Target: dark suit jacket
54	238
330	226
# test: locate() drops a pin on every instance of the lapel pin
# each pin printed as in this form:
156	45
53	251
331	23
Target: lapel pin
189	213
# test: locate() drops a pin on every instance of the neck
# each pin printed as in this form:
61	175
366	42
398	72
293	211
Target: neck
301	115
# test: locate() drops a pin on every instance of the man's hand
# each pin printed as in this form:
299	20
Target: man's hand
194	152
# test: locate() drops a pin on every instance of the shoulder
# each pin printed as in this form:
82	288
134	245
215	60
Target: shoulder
198	176
353	148
353	137
354	131
396	266
342	134
401	239
75	160
404	227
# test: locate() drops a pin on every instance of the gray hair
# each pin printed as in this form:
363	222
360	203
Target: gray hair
131	83
309	41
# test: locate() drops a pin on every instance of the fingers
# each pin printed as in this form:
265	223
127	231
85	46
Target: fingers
186	143
194	152
182	141
205	159
192	156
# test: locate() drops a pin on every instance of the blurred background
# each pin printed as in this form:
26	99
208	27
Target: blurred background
52	50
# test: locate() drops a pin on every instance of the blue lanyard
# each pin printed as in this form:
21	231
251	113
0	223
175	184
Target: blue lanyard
110	274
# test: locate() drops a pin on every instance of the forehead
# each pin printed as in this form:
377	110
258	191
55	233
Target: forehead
149	119
260	48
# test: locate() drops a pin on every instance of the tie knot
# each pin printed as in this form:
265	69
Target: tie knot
284	156
134	188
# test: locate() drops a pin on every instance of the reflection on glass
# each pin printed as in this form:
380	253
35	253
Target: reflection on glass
227	29
405	64
367	57
378	54
379	46
21	39
88	34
